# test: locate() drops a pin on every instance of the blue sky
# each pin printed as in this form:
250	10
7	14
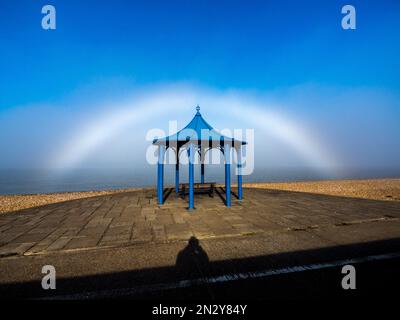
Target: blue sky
223	44
345	83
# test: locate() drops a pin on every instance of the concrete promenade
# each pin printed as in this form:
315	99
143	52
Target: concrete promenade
129	238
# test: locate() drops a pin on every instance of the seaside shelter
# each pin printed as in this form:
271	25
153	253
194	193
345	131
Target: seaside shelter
197	138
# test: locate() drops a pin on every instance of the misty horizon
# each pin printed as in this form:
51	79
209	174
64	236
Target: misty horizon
317	96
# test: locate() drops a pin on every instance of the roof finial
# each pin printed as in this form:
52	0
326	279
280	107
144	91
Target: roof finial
198	108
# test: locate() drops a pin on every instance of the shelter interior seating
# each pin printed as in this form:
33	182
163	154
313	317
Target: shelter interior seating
199	188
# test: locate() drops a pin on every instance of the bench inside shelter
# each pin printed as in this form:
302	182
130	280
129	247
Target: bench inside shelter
199	188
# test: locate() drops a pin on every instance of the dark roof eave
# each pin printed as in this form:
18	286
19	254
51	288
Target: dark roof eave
227	140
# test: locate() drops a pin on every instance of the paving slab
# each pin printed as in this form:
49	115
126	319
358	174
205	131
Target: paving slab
135	218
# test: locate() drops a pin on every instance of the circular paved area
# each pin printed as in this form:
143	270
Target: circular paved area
135	218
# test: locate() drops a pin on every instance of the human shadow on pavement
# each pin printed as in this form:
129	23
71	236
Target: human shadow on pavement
298	274
192	260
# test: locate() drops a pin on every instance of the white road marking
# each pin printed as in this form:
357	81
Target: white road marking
219	279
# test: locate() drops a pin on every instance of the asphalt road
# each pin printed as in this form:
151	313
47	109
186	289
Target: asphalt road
213	269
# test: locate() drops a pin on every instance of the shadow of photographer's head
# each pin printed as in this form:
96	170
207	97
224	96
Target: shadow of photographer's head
192	260
193	242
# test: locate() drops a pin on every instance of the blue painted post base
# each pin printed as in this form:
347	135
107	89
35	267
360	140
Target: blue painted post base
228	184
160	182
177	178
240	189
191	177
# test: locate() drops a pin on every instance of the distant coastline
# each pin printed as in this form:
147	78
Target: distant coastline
375	189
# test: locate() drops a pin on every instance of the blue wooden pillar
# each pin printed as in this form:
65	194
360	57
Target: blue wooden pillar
227	152
160	174
202	173
191	176
177	172
239	167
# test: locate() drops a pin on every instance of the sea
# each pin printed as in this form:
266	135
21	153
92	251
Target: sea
34	181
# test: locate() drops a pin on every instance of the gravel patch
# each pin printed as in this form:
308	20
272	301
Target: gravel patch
376	189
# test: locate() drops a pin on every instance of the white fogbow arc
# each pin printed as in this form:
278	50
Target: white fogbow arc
165	103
